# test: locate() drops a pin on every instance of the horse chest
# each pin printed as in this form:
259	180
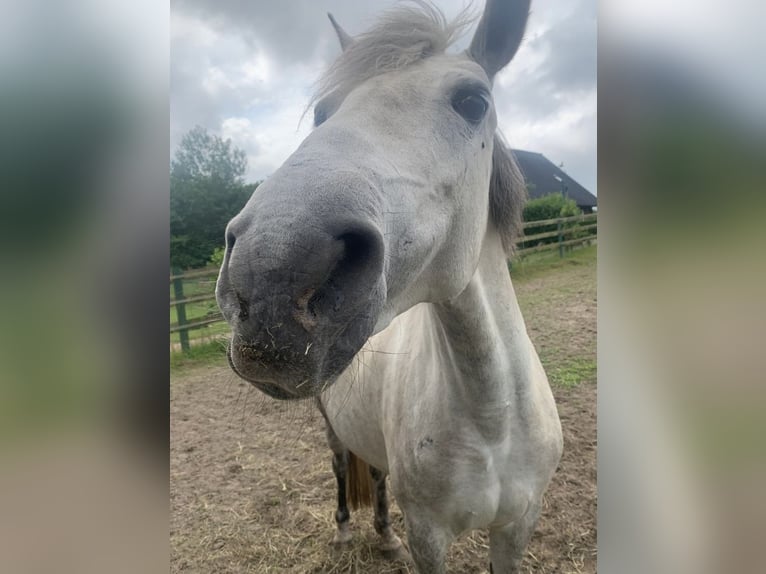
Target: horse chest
469	483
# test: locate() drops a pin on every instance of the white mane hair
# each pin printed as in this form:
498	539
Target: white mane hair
408	33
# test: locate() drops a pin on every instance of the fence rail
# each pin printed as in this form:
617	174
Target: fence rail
572	219
584	226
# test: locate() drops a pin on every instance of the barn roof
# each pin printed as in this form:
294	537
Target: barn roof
540	174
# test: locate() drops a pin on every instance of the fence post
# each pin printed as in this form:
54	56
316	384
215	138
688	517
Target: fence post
561	239
178	293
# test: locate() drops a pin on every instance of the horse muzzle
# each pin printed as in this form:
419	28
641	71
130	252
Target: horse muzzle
301	299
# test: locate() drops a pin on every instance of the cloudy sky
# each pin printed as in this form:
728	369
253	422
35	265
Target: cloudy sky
245	69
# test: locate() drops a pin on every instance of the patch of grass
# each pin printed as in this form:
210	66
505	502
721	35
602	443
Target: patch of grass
574	372
203	353
206	331
536	263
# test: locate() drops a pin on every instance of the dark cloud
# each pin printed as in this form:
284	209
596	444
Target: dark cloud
189	102
567	68
287	30
572	49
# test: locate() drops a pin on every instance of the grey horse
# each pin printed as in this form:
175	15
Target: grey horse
369	272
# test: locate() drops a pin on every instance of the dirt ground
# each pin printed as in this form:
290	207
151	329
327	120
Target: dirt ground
252	488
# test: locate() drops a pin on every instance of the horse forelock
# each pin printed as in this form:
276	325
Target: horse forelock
408	33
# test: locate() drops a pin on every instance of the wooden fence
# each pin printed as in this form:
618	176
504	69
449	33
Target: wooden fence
569	231
195	310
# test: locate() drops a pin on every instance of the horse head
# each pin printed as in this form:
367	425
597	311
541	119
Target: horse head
383	206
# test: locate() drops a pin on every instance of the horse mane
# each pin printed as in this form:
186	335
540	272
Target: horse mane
408	33
507	194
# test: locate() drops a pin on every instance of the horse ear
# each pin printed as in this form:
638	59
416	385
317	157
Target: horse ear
499	34
507	194
343	37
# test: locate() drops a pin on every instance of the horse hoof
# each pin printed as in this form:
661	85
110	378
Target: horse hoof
341	540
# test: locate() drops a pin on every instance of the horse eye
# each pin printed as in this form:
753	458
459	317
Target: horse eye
471	106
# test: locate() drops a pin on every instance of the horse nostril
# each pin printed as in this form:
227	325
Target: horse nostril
230	240
358	253
358	256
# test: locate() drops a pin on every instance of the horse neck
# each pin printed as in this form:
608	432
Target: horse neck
487	336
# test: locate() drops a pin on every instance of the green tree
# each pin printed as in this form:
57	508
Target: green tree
549	207
206	190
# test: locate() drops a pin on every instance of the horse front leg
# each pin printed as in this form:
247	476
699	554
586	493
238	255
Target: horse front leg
342	515
340	461
390	545
508	545
428	543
